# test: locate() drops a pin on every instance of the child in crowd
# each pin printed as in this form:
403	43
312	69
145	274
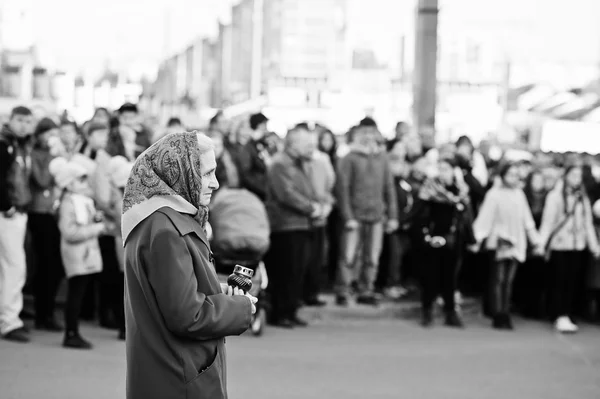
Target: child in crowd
506	222
79	228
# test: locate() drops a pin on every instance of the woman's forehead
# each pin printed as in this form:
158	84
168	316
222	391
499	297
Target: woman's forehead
207	161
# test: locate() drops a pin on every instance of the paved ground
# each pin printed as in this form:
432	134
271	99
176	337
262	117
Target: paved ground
339	359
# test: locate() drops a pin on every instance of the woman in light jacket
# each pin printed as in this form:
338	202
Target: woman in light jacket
567	232
506	222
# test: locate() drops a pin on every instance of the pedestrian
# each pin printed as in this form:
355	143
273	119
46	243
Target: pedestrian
567	233
254	158
293	208
177	313
505	222
367	199
111	244
43	228
15	197
441	212
79	229
323	181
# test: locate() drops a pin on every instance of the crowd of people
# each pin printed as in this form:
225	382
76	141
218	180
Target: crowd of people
366	217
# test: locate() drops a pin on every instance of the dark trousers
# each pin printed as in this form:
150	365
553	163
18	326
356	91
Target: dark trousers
286	264
392	263
502	277
566	269
334	232
530	288
75	293
312	282
438	275
49	270
112	281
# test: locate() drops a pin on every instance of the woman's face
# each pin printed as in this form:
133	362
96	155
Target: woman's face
327	142
397	157
101	116
413	146
537	182
446	173
209	182
43	138
574	178
98	139
69	136
512	177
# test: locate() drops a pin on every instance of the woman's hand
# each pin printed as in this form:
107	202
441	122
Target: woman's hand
231	291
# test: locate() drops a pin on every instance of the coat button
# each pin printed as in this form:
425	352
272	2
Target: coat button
46	193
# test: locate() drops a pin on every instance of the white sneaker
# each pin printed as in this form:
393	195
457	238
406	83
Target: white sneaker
395	292
565	325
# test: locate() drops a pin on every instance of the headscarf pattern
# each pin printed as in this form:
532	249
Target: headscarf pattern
167	174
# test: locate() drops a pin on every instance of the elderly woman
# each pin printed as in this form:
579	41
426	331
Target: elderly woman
177	314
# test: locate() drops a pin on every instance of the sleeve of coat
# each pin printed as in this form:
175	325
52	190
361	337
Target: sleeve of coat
390	193
484	223
343	187
550	216
187	312
70	230
282	187
592	238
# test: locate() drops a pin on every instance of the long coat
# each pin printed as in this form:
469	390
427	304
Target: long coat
176	315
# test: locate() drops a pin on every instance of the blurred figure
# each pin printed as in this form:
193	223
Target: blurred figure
79	231
531	279
43	228
227	172
439	215
323	181
367	201
568	232
254	158
101	117
111	245
327	144
122	142
71	137
129	116
293	208
505	222
15	197
174	125
219	123
402	130
97	139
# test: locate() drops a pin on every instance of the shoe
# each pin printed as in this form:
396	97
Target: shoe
370	300
564	325
341	300
283	323
426	319
75	341
498	321
454	320
49	325
395	292
315	302
298	322
122	335
18	335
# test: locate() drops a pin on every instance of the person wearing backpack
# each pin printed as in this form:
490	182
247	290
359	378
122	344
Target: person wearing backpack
567	233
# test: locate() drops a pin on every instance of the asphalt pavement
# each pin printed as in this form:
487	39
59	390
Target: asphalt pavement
343	358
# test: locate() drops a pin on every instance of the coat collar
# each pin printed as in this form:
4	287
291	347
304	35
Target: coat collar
185	224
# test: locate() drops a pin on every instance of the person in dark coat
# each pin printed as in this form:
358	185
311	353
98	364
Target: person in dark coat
254	158
177	314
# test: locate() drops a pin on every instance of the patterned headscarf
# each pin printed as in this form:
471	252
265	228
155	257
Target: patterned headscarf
168	174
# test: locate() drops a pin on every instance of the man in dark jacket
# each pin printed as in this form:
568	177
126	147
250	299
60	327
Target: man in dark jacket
367	201
254	158
293	208
15	196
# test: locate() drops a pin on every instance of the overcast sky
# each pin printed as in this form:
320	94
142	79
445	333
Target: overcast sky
84	33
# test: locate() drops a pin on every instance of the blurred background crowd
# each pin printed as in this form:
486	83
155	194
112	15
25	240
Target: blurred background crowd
368	218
